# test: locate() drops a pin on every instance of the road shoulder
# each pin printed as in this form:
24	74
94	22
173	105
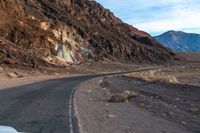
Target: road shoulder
96	114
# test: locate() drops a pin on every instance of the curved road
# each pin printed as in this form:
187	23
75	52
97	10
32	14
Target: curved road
42	107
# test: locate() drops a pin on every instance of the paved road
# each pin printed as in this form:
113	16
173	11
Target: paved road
41	107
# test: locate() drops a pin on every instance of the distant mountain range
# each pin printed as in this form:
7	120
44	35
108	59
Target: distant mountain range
180	41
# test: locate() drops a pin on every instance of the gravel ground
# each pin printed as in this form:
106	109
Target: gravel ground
23	75
158	108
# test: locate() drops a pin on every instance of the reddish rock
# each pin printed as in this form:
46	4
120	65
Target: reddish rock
74	30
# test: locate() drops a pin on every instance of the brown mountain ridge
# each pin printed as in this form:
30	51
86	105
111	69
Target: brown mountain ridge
63	32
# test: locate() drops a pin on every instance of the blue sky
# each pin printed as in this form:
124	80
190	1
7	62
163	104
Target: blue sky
157	16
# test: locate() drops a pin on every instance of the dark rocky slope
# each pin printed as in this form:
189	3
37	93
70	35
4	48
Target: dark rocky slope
62	32
180	41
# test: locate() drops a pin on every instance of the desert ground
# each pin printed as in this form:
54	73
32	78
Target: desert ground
159	101
73	66
16	75
191	57
164	100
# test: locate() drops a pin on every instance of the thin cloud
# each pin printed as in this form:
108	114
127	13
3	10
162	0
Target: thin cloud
158	16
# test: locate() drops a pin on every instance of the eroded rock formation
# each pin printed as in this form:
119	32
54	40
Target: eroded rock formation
63	32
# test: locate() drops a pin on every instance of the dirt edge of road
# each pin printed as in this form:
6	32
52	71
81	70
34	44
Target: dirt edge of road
95	114
8	83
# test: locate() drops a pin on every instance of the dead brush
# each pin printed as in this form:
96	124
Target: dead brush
153	75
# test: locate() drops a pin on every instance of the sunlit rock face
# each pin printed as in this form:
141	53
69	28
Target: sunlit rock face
51	39
63	32
67	44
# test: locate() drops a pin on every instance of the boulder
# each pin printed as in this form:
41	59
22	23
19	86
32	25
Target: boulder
129	94
118	99
123	97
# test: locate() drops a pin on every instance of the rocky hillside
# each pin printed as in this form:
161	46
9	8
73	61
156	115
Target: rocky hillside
63	32
180	41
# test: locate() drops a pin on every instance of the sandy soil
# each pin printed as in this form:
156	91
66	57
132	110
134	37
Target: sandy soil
193	56
23	75
158	107
19	75
189	75
6	82
105	66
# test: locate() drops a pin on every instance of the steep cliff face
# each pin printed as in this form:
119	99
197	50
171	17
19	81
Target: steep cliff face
63	32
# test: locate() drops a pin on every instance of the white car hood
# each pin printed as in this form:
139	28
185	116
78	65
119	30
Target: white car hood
6	129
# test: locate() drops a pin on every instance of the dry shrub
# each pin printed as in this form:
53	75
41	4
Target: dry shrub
168	79
154	75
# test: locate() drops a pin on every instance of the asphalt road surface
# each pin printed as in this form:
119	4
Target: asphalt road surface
42	107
